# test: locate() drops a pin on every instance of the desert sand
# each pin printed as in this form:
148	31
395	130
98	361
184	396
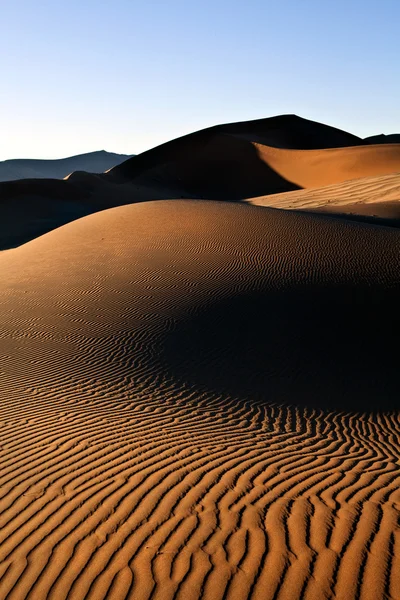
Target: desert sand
376	197
199	395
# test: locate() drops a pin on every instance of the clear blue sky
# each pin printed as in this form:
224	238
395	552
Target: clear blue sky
126	75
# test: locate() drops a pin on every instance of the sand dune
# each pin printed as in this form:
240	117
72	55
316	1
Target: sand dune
218	163
392	138
200	400
370	196
94	162
233	162
31	207
291	131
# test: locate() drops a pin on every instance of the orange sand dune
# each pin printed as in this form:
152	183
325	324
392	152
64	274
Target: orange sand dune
231	162
371	196
200	400
314	168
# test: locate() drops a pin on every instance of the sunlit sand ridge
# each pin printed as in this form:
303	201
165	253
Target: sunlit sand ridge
369	196
199	401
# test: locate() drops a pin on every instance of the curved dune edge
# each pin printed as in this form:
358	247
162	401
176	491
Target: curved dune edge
318	168
126	473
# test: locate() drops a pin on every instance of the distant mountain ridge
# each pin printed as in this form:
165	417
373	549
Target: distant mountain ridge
93	162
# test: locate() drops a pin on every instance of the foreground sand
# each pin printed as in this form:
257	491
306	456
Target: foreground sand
200	400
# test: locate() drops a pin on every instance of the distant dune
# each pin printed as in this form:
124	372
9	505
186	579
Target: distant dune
393	138
199	383
94	162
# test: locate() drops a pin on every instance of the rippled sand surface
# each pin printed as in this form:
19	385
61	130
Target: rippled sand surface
200	400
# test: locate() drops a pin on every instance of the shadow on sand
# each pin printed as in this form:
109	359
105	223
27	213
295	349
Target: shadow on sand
333	348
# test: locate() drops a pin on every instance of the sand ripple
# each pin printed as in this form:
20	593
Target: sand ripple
199	400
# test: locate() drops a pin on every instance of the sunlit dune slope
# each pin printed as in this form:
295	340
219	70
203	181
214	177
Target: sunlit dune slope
370	196
198	400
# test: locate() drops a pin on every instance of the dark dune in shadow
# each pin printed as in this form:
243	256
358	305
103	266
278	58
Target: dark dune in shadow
208	165
283	131
31	207
292	132
391	138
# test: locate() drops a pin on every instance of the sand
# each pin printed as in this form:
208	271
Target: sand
377	197
234	162
199	399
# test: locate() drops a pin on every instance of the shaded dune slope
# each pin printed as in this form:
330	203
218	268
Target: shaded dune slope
391	138
32	207
291	131
192	407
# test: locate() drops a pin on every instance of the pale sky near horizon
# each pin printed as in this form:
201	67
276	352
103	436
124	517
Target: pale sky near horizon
125	75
